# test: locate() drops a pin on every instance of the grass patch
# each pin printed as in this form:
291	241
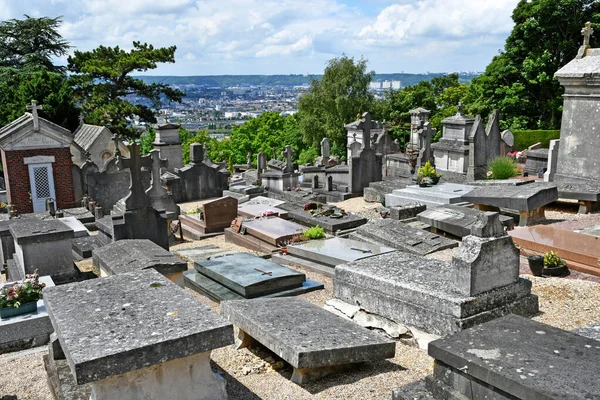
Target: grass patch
503	168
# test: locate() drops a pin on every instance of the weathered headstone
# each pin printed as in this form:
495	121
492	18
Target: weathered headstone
552	161
215	217
160	198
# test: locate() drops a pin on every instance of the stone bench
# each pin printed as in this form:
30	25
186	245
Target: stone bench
130	255
137	336
530	200
314	341
510	358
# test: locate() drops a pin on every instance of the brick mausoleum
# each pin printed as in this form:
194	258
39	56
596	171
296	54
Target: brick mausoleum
37	163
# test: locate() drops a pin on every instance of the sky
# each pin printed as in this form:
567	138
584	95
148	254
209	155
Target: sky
244	37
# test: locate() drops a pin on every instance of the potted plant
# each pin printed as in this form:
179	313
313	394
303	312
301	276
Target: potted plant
427	174
536	264
554	265
21	297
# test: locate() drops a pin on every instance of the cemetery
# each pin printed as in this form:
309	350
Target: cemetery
394	269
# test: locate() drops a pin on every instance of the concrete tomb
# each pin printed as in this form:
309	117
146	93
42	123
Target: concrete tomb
431	196
119	344
216	215
365	166
261	206
536	163
159	196
452	151
330	218
281	176
481	283
135	255
44	246
510	358
400	236
168	145
580	251
407	211
530	200
376	191
314	341
244	276
193	254
26	330
456	220
79	229
275	231
323	255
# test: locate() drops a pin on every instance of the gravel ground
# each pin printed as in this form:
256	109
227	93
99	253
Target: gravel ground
256	373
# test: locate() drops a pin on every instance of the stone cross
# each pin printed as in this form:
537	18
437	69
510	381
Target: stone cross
587	32
115	139
325	149
274	154
249	155
261	161
34	111
288	154
366	128
136	198
461	109
157	189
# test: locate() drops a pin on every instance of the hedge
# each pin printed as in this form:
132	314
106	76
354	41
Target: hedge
524	139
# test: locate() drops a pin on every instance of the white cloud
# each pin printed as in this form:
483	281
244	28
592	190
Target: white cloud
287	36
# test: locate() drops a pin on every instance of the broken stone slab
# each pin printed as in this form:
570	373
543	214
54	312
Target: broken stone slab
372	321
400	236
131	255
314	341
120	343
407	211
343	308
456	220
530	200
427	294
514	357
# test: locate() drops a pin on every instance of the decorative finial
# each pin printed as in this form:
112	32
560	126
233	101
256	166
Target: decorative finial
461	109
587	32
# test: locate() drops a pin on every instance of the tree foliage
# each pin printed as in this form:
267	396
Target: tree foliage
102	81
335	100
520	80
30	43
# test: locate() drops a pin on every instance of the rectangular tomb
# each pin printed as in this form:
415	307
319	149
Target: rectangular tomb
431	196
274	231
314	341
456	220
580	251
131	255
260	206
120	332
331	224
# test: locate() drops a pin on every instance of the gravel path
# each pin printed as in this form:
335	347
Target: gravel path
256	373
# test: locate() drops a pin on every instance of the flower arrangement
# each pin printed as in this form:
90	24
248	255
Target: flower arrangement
27	291
427	174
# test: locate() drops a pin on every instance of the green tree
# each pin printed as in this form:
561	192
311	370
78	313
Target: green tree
520	80
31	43
102	82
335	100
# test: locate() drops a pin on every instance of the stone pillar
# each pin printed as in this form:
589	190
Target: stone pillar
552	161
168	144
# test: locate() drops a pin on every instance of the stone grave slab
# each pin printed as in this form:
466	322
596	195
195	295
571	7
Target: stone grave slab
431	196
580	251
407	211
81	213
335	251
193	254
587	194
44	245
591	230
28	330
216	216
249	242
84	246
376	191
428	294
314	341
590	331
248	275
456	220
329	224
400	236
260	205
274	231
516	358
135	255
529	200
79	229
536	159
119	344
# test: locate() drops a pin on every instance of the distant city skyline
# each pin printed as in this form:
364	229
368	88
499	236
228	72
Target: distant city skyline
247	37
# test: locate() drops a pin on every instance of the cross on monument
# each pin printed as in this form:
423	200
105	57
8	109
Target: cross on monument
157	189
366	128
115	139
288	154
136	198
34	109
587	32
461	109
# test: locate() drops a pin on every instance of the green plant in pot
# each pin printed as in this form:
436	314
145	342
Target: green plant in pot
554	265
21	297
427	174
316	232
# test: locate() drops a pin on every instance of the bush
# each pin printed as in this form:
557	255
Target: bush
524	139
502	168
316	232
308	156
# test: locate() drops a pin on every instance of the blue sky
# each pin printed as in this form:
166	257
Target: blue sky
216	37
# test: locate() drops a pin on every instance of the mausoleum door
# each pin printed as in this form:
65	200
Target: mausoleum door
41	181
